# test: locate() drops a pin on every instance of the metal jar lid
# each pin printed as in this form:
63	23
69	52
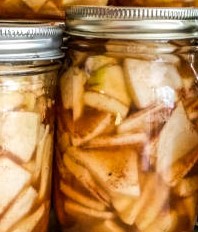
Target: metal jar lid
32	40
132	22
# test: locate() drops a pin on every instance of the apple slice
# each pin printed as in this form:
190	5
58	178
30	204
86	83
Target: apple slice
75	209
133	139
123	204
29	223
90	125
143	210
151	82
19	133
85	178
80	197
166	222
154	204
110	225
13	178
180	168
145	120
105	103
109	80
177	139
21	206
72	90
115	168
30	166
46	167
132	207
93	63
43	133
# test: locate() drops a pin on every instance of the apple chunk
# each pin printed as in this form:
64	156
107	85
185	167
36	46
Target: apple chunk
12	180
90	125
164	222
85	178
109	225
19	209
81	198
115	168
19	133
109	80
46	166
43	134
150	81
93	63
72	91
29	223
105	103
73	208
177	139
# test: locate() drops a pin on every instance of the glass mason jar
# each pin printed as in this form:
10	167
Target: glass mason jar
29	63
127	121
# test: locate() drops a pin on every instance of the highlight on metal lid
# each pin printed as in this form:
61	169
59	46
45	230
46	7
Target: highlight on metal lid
32	40
132	22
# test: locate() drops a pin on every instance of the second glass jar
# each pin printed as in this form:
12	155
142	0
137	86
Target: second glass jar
127	122
29	64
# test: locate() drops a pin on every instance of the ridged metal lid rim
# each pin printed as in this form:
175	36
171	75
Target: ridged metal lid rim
132	22
30	40
42	56
31	29
131	13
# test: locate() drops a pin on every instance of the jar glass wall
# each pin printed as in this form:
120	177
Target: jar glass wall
127	132
29	64
26	140
127	137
